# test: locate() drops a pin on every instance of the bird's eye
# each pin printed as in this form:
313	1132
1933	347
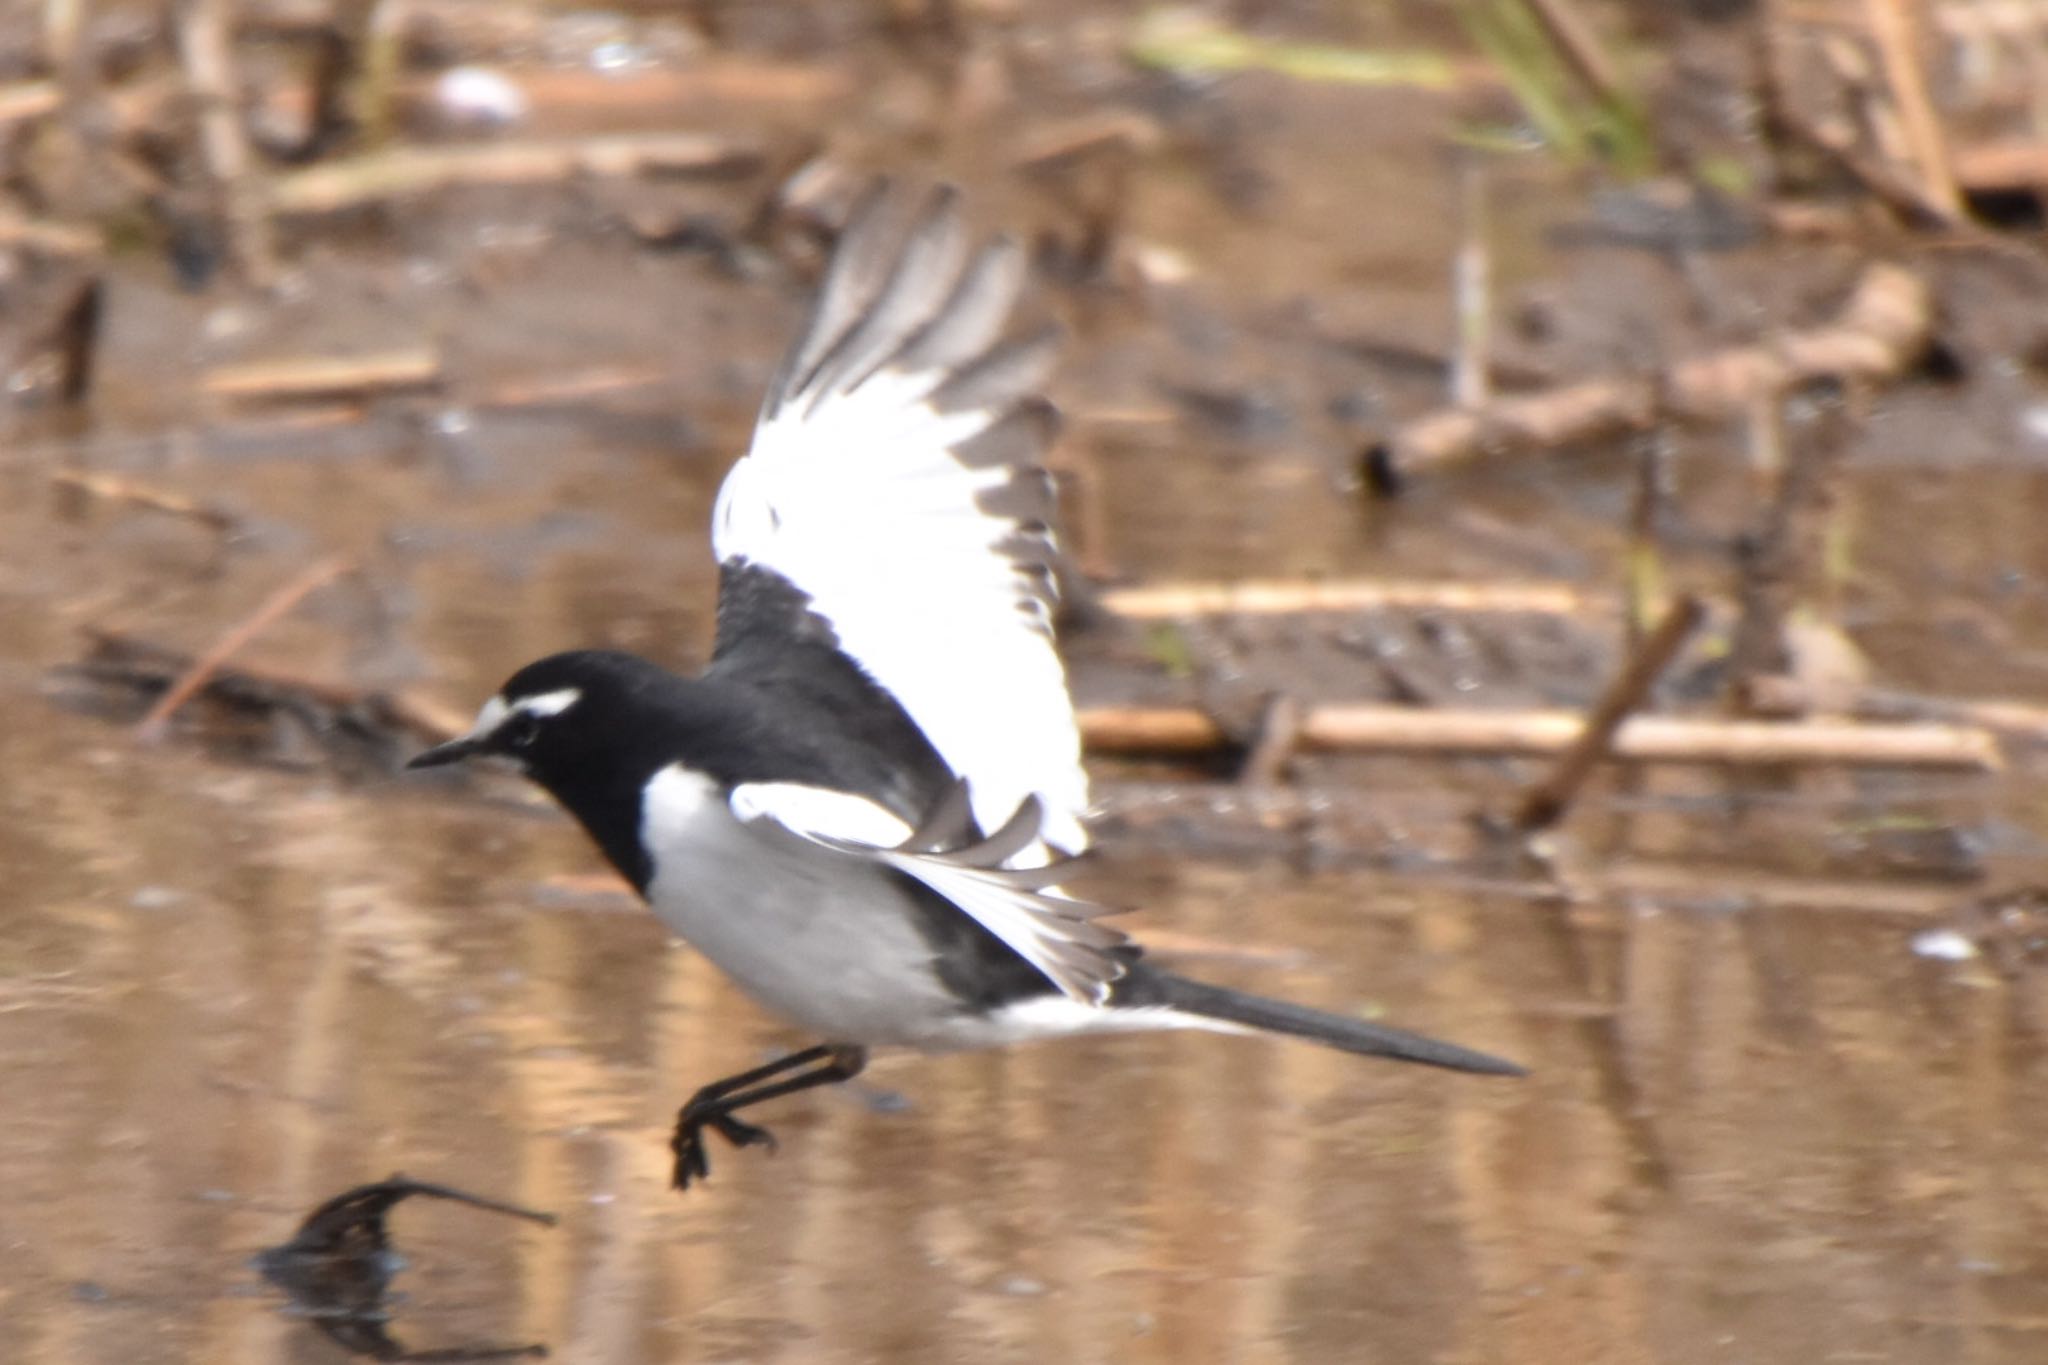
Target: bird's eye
521	730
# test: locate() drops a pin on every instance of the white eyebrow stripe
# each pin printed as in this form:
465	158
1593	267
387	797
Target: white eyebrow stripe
490	717
497	710
549	703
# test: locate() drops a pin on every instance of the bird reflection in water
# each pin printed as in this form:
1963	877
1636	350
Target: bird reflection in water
337	1270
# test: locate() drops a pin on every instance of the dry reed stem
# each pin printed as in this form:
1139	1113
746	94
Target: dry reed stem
401	171
721	81
1472	290
2017	163
1893	29
49	236
206	53
23	100
1278	597
326	376
1386	729
1581	48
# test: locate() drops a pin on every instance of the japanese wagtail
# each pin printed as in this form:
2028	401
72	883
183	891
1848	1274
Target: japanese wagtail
863	809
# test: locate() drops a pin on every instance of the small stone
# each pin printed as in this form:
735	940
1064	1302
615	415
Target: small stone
1944	945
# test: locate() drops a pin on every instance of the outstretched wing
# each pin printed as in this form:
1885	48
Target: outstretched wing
896	483
1055	933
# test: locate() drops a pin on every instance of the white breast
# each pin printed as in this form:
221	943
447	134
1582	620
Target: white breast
824	939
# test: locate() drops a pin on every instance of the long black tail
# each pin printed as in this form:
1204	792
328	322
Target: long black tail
1146	986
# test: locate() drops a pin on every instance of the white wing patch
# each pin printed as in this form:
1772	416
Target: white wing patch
818	813
890	480
1053	932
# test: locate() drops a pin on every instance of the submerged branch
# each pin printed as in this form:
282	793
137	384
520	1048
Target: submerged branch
1876	336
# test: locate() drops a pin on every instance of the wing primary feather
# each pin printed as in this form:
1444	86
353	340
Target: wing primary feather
973	315
948	824
1025	498
1003	375
927	263
1075	954
1018	833
1018	438
861	260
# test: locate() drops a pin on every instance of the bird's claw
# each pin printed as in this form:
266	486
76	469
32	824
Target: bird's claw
693	1162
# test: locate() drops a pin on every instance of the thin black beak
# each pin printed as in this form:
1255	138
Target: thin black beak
454	751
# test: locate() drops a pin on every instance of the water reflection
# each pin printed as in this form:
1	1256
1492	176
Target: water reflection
336	1270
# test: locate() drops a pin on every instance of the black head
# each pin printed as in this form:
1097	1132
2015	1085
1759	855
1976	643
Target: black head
560	716
591	726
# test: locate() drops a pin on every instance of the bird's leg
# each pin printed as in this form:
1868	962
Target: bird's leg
713	1106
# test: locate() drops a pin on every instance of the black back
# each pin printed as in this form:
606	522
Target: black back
786	715
815	721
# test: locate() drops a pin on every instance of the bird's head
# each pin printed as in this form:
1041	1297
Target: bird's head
556	715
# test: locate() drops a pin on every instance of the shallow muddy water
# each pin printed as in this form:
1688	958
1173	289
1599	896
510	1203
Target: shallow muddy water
1760	1127
1751	1134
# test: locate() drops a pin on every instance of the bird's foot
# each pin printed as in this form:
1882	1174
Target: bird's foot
693	1161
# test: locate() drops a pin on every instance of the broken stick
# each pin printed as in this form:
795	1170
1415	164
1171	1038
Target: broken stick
1877	335
151	727
116	488
1545	803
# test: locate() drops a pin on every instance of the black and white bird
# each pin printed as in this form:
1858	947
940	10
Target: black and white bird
862	809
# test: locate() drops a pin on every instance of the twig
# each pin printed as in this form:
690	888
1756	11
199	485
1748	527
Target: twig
1471	289
1879	331
380	55
1275	597
1581	50
422	716
1073	139
1647	503
62	21
75	337
1891	27
24	100
1784	557
55	238
1278	736
2020	163
1906	195
401	171
1546	801
573	387
326	376
114	488
1412	730
151	727
204	49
